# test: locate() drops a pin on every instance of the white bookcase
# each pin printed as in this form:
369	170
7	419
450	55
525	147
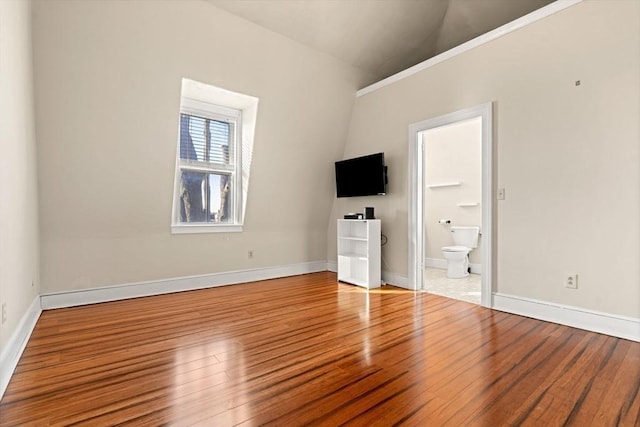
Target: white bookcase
359	252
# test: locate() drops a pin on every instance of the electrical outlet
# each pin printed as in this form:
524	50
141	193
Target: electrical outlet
501	193
4	312
571	281
250	254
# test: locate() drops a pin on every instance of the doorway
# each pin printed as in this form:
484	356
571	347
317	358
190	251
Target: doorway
419	236
452	164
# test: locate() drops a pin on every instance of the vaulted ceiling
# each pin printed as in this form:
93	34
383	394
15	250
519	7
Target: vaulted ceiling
380	37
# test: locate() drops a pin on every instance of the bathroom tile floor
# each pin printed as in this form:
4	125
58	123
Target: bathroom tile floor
465	289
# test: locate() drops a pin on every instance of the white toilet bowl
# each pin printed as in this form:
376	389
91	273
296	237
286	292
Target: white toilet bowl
465	240
457	261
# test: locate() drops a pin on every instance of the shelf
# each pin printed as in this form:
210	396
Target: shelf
444	184
468	204
354	238
354	256
359	251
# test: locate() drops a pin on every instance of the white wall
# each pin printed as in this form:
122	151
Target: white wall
19	269
108	75
567	155
452	153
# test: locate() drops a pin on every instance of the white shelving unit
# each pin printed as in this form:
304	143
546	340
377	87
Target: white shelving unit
359	252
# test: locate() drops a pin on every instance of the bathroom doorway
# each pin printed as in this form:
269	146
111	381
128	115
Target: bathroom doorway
451	186
452	194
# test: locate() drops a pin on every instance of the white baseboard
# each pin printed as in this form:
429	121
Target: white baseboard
442	264
332	266
604	323
157	287
476	268
395	279
436	263
17	342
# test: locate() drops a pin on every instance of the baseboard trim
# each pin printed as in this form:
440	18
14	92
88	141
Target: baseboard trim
395	279
179	284
442	264
475	268
604	323
436	263
12	352
332	266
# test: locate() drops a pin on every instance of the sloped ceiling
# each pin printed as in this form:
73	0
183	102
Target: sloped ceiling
380	37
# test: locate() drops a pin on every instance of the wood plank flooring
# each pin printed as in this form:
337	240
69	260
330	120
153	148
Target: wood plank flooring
307	350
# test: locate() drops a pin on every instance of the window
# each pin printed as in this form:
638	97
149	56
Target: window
207	163
211	168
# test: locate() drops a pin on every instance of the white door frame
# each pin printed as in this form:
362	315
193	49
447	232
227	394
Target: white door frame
416	192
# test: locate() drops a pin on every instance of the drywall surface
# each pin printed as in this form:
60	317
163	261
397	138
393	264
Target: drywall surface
108	76
19	270
566	99
452	153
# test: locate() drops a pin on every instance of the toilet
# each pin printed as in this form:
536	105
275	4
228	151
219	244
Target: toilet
465	239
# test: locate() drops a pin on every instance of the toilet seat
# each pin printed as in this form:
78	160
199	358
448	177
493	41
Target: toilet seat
455	249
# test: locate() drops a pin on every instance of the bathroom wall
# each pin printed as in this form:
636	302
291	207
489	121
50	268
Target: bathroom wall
453	153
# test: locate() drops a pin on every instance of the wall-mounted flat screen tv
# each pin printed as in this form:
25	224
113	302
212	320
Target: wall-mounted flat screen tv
361	176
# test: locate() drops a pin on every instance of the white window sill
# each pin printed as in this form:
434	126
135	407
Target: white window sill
205	228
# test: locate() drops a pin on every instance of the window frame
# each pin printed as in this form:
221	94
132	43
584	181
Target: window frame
220	113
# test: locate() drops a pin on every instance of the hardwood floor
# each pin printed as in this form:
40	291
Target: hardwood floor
308	350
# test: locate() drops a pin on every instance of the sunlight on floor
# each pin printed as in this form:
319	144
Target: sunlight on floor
465	289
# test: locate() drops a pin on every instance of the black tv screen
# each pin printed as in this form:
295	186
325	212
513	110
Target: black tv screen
361	176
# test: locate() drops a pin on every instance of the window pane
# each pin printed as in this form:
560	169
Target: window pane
205	197
206	140
220	151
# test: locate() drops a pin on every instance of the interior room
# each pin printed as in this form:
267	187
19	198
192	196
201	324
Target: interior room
170	241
